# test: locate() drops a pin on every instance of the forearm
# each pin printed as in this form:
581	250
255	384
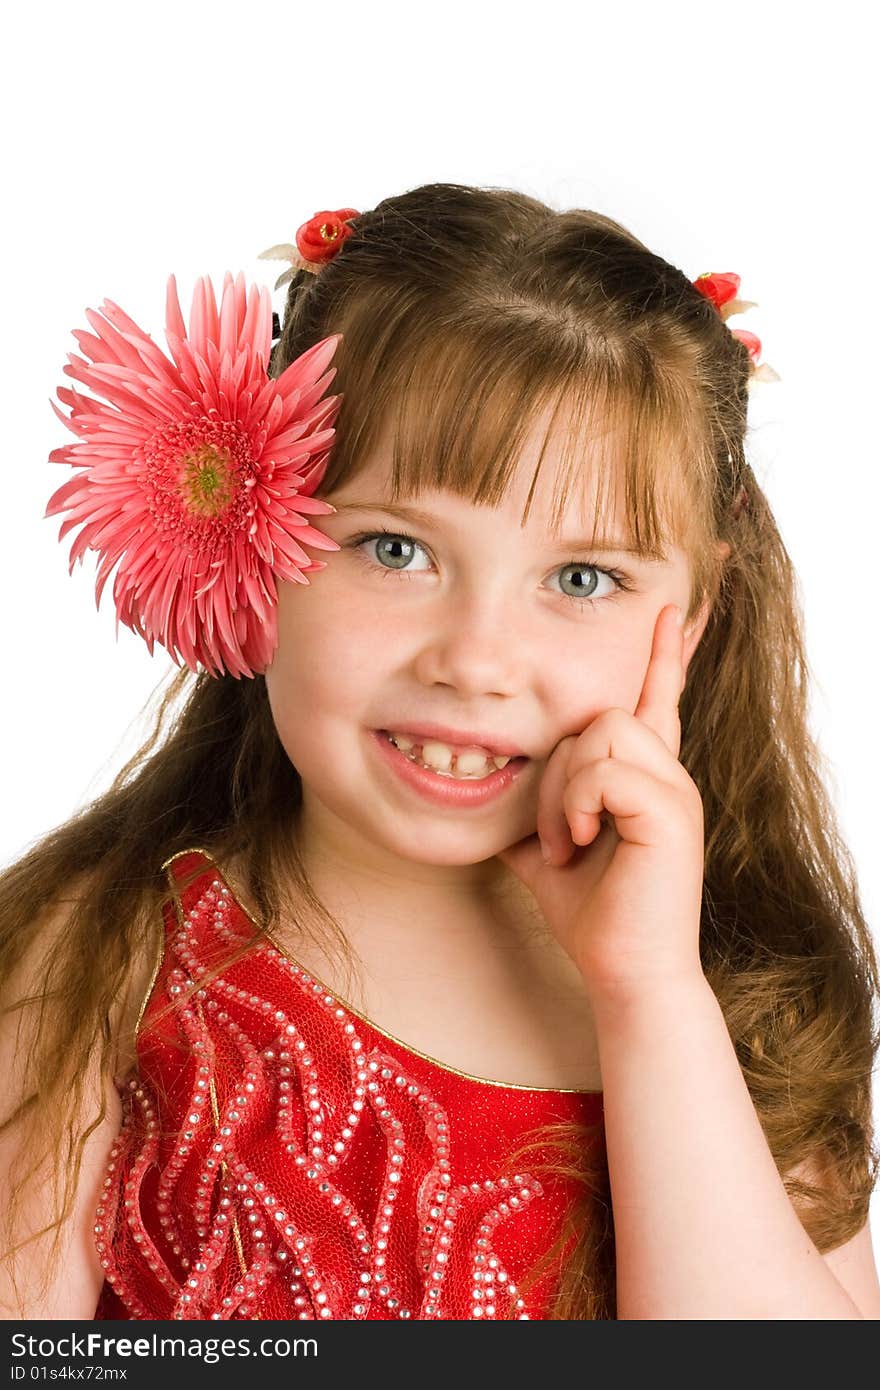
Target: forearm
703	1225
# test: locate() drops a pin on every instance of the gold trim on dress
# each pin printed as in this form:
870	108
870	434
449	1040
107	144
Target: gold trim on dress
407	1047
160	956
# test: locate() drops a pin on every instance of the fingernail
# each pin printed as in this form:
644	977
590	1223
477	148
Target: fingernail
545	852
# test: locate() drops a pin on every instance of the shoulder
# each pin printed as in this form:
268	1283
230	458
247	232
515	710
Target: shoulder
27	980
46	928
49	1271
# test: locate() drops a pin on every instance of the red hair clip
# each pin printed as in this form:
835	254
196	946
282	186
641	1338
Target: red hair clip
317	242
721	289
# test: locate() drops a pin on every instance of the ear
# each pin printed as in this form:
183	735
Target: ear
696	626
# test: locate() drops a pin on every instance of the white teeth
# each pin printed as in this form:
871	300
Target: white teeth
443	759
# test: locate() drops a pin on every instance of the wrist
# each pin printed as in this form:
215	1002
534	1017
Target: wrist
623	1003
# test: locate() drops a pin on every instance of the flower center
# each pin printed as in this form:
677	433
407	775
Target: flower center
198	479
207	479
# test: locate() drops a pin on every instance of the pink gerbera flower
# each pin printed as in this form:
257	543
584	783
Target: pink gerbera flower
197	474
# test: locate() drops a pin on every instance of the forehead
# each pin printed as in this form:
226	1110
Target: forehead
555	473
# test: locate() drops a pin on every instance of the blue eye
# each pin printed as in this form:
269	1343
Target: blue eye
399	543
401	548
581	567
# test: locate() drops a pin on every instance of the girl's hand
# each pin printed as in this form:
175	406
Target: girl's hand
623	892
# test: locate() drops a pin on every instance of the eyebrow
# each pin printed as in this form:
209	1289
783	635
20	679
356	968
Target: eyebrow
422	518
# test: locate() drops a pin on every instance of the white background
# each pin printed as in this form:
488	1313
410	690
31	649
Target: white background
186	138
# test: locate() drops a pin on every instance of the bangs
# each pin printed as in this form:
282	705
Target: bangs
457	415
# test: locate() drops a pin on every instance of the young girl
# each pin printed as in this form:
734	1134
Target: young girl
470	939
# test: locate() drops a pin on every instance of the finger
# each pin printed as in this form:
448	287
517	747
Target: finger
615	733
658	702
552	825
646	811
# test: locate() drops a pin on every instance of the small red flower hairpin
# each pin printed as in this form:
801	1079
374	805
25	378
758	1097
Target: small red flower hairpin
721	289
197	473
317	242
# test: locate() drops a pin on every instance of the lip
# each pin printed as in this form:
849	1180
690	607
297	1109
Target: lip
445	791
461	738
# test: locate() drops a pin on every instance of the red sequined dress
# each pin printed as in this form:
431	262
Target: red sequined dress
280	1157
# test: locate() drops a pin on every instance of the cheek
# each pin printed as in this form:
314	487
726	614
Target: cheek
602	670
326	659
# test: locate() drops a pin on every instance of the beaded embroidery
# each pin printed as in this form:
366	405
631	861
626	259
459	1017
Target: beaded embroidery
249	1220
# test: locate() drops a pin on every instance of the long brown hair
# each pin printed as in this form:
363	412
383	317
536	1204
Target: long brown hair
464	311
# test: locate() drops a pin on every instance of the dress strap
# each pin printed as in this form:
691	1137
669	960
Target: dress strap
179	870
180	866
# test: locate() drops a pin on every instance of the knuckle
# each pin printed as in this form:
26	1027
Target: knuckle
617	718
593	770
605	721
689	793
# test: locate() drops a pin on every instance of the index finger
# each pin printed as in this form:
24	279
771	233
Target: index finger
658	702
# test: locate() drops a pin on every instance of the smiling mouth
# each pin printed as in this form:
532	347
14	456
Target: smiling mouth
462	767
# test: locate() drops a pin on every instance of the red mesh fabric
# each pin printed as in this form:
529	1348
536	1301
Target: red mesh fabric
279	1157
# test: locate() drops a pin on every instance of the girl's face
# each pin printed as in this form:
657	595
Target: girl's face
473	623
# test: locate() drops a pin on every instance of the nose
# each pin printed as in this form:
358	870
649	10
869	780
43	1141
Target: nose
473	643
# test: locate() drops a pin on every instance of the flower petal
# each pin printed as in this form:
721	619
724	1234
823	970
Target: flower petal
170	467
